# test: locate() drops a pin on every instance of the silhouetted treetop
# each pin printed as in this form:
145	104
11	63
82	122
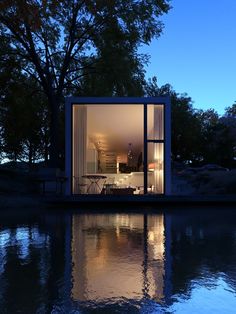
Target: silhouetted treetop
59	42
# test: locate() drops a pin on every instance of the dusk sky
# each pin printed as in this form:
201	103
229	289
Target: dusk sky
196	53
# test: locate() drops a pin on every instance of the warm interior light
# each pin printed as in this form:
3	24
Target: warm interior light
151	166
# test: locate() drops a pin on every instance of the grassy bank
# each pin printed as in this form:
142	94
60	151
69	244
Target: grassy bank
211	182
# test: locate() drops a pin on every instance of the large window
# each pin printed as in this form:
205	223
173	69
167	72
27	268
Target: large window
108	148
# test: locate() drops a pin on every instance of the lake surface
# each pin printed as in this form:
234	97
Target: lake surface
175	261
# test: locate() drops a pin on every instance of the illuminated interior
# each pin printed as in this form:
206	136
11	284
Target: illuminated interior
108	149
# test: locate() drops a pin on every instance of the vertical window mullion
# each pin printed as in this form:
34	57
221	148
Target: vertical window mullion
145	152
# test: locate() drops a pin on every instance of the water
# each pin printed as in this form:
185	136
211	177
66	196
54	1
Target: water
162	262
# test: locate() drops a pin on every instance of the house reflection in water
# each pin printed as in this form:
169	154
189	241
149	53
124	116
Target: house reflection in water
120	256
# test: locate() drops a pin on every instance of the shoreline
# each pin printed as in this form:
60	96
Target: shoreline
39	202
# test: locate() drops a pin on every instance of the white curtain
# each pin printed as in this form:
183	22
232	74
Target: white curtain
159	148
159	168
79	146
158	122
156	150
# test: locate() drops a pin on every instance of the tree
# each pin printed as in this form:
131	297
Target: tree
217	137
229	120
185	126
23	120
208	121
115	76
59	41
231	111
23	111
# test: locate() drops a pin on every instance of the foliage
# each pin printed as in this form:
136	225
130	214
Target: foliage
185	127
218	137
23	118
23	112
214	182
198	136
58	43
51	49
229	120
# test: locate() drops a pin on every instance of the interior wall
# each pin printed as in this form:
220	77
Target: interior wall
111	128
79	146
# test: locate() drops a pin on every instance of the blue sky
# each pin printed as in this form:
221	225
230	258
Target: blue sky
196	53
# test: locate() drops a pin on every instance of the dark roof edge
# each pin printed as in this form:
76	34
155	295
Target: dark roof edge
118	100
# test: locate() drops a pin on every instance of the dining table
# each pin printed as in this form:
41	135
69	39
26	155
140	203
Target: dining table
93	186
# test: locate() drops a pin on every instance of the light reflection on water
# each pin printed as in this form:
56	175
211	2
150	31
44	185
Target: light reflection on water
119	263
114	254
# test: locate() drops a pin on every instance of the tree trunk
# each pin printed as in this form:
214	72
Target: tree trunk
54	131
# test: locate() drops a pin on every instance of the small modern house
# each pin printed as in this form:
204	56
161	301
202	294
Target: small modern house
118	146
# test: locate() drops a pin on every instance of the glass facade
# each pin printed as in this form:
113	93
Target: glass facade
108	149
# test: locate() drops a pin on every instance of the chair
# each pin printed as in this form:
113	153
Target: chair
51	180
